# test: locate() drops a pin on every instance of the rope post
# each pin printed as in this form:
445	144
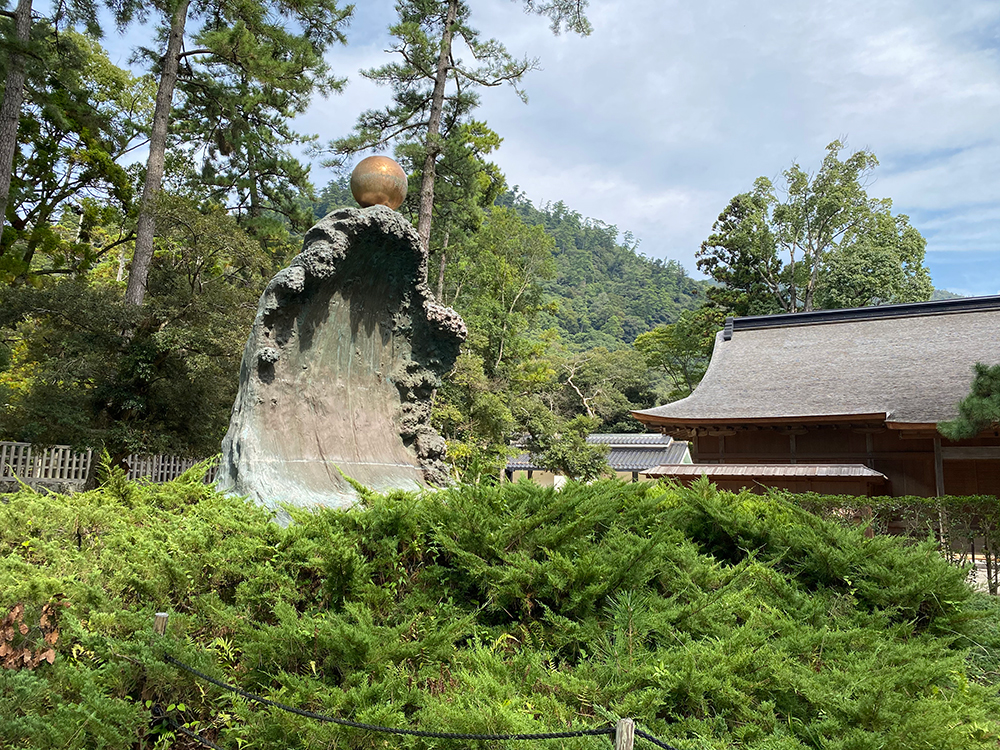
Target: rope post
624	734
160	623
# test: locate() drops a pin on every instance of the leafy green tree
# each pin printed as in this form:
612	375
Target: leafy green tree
560	445
681	351
22	59
880	261
980	410
84	115
475	418
17	45
741	256
466	185
164	381
788	253
498	285
271	49
605	386
432	86
236	126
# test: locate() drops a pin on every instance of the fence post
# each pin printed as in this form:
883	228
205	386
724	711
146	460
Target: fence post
160	623
624	734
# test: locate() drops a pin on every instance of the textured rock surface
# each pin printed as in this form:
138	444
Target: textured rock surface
346	350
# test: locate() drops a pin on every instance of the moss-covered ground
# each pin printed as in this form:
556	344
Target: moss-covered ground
714	620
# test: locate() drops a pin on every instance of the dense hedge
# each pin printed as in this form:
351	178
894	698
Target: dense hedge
715	620
964	527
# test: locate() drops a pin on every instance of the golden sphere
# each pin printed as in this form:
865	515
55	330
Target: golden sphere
378	181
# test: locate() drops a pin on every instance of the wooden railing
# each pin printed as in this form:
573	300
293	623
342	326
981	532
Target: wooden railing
60	463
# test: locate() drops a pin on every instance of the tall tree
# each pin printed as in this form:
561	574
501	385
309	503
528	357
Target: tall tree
242	158
276	45
16	34
431	80
783	253
466	184
681	350
13	96
499	284
741	256
84	115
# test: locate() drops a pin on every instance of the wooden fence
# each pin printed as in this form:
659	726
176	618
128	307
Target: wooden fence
60	464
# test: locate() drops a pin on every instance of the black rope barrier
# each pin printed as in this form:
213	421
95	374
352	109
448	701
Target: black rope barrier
395	730
654	740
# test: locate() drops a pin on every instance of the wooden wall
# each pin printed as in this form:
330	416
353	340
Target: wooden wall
906	458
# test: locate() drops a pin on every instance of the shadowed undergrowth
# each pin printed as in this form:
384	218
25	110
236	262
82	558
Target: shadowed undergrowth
715	620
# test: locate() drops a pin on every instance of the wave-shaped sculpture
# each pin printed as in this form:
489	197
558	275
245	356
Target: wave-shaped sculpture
337	377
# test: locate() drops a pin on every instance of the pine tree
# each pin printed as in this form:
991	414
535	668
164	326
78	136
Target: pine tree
275	47
20	51
82	114
431	81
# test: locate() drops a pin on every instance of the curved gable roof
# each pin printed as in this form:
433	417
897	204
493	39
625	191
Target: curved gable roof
898	363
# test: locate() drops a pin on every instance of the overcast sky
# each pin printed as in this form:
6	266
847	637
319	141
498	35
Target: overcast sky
669	109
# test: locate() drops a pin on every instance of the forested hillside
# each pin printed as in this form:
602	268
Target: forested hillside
604	292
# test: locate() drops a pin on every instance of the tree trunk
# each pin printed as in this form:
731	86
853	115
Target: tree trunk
444	258
255	208
793	289
434	128
10	109
145	226
813	279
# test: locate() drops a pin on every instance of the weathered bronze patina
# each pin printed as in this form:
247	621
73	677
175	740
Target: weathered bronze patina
346	351
378	181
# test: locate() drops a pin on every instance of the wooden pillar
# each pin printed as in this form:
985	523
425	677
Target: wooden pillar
938	468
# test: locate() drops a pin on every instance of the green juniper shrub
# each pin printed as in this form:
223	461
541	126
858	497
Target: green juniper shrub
715	620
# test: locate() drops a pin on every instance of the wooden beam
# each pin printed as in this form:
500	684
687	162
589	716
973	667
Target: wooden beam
969	452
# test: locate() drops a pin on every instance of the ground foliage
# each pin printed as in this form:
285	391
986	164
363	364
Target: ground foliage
715	620
964	527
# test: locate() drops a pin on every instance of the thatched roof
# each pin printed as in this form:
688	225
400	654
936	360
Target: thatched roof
906	364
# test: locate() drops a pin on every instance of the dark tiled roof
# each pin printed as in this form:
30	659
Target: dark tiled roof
629	438
624	458
767	470
902	363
